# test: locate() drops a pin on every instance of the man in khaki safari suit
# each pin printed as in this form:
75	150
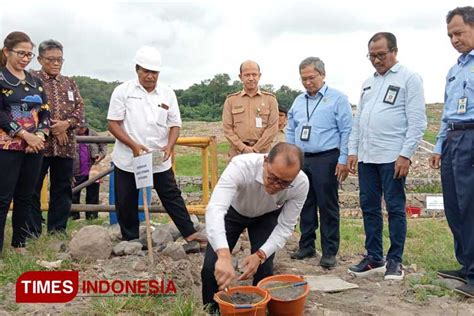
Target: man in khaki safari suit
250	116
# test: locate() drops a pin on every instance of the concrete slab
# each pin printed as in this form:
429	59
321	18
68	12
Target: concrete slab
328	283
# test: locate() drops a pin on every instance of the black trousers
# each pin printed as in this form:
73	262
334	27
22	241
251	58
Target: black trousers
322	197
259	229
60	195
126	202
20	172
92	197
457	178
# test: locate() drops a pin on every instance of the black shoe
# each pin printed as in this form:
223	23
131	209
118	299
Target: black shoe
453	274
303	253
328	262
366	267
466	289
394	271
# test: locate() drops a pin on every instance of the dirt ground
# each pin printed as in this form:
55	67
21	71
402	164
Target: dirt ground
373	297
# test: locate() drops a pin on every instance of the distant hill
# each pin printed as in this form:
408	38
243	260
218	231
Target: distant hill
203	101
96	94
200	102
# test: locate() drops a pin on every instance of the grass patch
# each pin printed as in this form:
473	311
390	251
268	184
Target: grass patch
191	188
429	242
189	164
169	305
427	188
430	136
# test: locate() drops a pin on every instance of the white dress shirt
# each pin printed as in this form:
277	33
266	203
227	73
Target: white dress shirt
384	128
241	186
147	117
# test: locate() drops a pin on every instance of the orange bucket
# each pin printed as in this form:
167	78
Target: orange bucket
278	307
257	309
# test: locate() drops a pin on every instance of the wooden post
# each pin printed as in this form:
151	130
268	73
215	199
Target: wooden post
205	175
148	227
214	161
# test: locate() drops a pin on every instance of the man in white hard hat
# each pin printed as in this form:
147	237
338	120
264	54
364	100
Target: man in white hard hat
144	115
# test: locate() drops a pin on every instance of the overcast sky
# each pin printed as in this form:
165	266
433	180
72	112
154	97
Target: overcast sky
199	39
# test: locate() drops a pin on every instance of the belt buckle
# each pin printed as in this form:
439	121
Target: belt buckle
451	126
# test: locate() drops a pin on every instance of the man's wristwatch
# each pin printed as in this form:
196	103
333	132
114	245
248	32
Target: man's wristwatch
261	255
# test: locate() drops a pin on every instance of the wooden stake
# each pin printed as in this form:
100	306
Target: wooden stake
148	227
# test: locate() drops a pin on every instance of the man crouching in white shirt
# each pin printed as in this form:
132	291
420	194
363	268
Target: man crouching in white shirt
263	194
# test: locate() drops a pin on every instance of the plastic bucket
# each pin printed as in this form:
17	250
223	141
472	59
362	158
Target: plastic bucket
278	307
413	211
258	309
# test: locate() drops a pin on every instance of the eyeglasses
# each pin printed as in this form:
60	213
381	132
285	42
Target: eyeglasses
22	54
381	56
53	60
277	181
311	78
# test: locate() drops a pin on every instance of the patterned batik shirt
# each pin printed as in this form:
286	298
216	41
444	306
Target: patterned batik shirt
66	104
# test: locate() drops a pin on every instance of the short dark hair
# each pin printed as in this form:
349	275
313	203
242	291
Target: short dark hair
467	14
390	37
13	39
283	109
291	153
48	45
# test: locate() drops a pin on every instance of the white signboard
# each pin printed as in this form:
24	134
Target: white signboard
143	169
434	203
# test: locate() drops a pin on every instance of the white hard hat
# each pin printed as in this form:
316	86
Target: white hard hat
149	58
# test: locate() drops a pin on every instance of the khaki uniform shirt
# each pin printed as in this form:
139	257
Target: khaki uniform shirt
239	119
279	138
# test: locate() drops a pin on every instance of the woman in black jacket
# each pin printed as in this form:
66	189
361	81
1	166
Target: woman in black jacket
24	124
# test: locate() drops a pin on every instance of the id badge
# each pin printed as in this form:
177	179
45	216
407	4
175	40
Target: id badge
258	122
305	133
462	104
70	95
391	94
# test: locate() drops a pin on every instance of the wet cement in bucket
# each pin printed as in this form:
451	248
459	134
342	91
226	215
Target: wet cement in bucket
245	298
287	293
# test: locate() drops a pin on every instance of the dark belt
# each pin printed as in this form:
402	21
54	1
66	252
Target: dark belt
461	126
251	143
330	151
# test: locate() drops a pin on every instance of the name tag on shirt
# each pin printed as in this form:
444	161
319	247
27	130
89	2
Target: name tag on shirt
70	95
305	133
258	122
391	94
462	104
164	106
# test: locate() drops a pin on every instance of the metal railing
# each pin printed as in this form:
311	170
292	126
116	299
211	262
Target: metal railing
208	147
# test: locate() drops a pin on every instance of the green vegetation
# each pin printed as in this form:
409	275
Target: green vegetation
190	188
202	101
433	113
190	163
430	136
429	242
176	306
427	188
429	245
96	94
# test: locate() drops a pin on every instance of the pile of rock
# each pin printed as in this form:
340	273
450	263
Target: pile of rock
96	242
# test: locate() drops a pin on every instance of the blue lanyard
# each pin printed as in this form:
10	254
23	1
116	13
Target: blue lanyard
307	105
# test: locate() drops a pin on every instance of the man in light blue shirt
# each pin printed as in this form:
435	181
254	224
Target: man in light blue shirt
388	126
319	122
454	149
